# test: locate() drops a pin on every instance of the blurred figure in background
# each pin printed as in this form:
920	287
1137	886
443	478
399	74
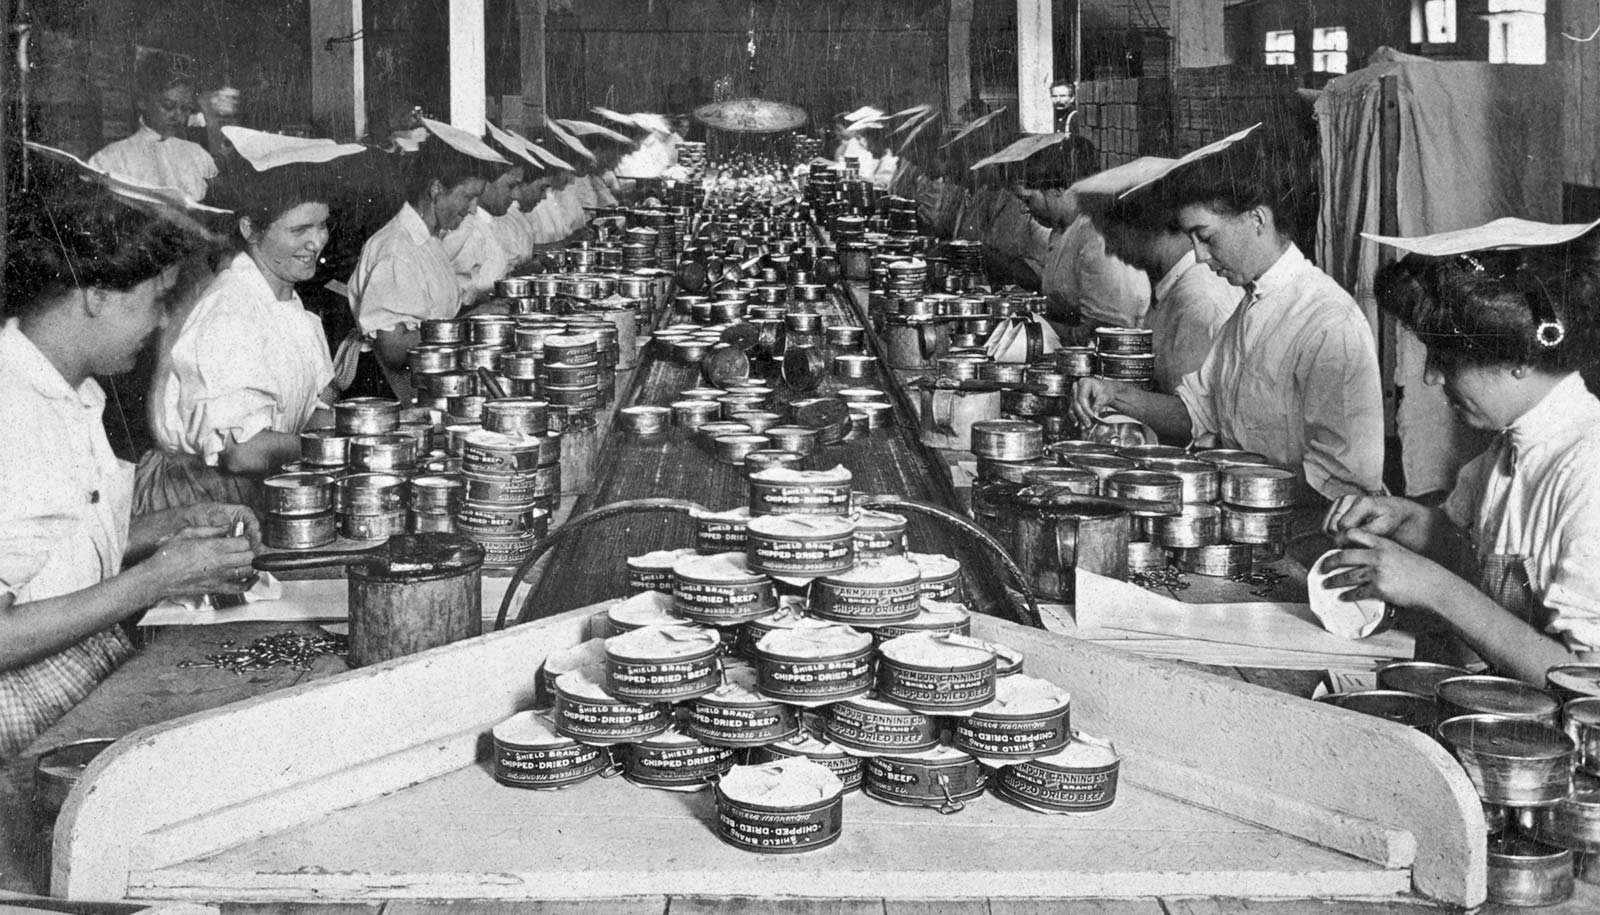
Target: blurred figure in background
156	154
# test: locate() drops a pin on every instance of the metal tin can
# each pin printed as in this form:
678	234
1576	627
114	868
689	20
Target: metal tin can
1574	821
733	449
800	544
1133	367
867	725
585	713
937	673
653	571
773	829
370	493
325	448
298	494
1224	458
1409	709
1196	525
1417	677
1512	762
1257	487
517	415
807	492
1527	872
814	665
675	760
694	413
376	526
943	778
493	453
1198	478
1131	341
1007	440
721	589
386	453
521	488
58	769
1573	681
1144	556
1580	718
528	753
507	552
298	532
720	532
1222	560
736	714
1029	718
1143	484
574	349
442	330
797	439
1081	778
490	520
582	395
886	590
941	576
662	664
366	415
1500	696
1255	525
879	534
820	751
645	420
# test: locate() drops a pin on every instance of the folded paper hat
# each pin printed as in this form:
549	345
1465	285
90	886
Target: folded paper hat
516	145
1501	234
1182	162
976	123
1115	181
463	142
162	202
626	120
548	158
270	150
864	113
590	129
1021	149
572	142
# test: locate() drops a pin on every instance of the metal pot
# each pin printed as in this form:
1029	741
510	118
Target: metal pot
412	593
1060	533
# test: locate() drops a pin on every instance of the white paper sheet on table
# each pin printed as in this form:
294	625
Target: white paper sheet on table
1116	611
314	600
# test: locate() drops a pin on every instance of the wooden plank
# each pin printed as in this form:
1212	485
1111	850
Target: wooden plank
936	907
709	905
1298	907
651	905
1076	907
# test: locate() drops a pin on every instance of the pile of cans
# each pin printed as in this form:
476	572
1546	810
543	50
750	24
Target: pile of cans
1533	754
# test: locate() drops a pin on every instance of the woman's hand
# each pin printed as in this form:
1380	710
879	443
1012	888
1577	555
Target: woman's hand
1377	567
194	564
212	519
1401	520
1092	397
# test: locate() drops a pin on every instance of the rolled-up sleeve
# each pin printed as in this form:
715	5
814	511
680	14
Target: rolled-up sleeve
1573	595
1342	400
393	292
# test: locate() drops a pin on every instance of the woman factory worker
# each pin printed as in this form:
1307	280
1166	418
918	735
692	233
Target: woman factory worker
1293	375
1511	562
87	279
246	371
404	276
1189	303
474	247
155	155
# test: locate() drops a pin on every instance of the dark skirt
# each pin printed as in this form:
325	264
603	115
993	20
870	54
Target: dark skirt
163	481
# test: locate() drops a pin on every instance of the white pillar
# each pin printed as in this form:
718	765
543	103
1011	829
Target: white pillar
338	79
468	68
1035	42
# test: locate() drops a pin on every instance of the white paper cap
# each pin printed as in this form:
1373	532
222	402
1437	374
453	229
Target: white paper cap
1203	152
966	131
1115	181
463	142
269	150
1501	234
517	145
1021	150
567	138
589	128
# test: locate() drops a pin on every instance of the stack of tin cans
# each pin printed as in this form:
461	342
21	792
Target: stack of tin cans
1126	354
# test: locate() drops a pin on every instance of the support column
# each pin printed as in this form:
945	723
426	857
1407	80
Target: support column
530	19
958	37
1197	34
338	78
1035	38
468	66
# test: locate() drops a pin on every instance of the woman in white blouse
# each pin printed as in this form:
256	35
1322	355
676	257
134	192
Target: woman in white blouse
1511	562
246	370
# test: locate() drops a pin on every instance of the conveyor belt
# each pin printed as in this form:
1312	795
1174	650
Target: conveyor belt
592	565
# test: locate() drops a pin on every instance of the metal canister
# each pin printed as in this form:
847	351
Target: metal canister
1075	361
871	726
691	413
1199	478
388	453
574	349
490	330
325	448
800	544
662	663
1007	440
1081	778
759	421
1500	696
879	534
807	492
721	589
886	590
1029	718
943	778
298	532
446	331
1572	822
1143	484
937	673
1197	525
372	526
736	714
492	520
497	453
676	760
1512	762
528	753
734	448
370	493
1527	872
645	420
1145	556
1255	525
1257	487
777	829
366	415
814	665
721	532
1222	560
298	494
519	415
1127	341
1409	709
1417	677
798	439
584	712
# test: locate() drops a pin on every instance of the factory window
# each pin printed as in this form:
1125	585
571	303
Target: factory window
1330	50
1433	21
1280	49
1516	31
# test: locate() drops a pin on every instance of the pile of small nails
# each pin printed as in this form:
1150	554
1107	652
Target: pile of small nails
295	650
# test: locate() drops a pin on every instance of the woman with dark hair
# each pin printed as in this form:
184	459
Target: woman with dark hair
1511	562
246	371
156	155
87	278
404	275
1293	374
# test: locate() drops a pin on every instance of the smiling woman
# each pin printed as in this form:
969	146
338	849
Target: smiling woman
245	372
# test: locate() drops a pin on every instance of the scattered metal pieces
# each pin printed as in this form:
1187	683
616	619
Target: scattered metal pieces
291	649
1168	578
1261	581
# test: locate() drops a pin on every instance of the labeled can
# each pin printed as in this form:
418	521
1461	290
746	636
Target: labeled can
584	712
653	571
496	453
528	753
782	807
806	492
491	520
1028	718
940	674
879	534
720	532
676	760
941	576
819	750
663	663
814	663
800	545
870	726
736	714
506	552
518	415
1080	778
1127	341
521	487
874	591
943	778
376	526
721	589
